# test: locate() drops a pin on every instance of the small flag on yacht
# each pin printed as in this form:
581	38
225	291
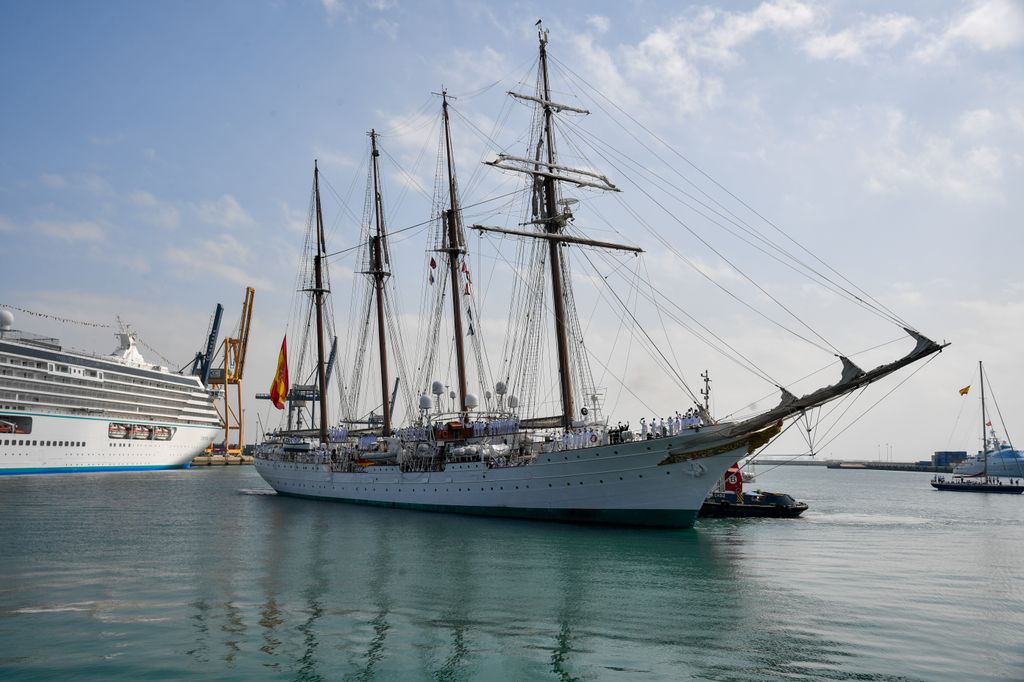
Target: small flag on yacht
471	332
433	263
279	387
467	289
963	391
988	423
431	278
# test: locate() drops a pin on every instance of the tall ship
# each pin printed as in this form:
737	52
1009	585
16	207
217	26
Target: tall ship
64	411
529	438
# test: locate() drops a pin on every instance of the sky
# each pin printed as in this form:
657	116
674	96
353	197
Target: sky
157	159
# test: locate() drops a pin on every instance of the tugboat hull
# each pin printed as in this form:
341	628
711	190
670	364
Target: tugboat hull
758	505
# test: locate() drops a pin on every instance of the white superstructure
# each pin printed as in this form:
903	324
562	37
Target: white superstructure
63	411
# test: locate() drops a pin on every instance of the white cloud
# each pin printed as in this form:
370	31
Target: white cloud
157	212
70	231
977	122
382	5
337	8
53	181
225	211
6	225
82	182
325	157
295	220
224	257
989	25
856	42
599	23
472	70
904	155
386	28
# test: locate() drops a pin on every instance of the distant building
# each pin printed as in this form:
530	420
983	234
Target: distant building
948	458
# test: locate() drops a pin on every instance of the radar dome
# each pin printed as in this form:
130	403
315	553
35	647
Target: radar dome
487	395
6	319
451	394
437	388
513	402
500	388
471	401
425	402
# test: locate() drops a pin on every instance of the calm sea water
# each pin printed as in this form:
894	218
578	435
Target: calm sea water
206	573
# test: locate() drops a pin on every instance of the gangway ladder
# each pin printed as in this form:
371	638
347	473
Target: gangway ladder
232	415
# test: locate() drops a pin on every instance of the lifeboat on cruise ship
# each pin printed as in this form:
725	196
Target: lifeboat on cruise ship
117	431
140	432
162	433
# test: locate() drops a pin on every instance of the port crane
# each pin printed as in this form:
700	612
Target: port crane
230	374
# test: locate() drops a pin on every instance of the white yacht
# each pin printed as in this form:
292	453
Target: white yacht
64	411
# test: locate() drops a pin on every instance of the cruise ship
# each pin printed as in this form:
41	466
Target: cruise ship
64	411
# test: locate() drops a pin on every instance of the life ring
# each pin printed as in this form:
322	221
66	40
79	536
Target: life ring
593	438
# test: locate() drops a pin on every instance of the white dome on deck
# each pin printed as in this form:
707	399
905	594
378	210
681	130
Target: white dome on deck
437	388
6	319
425	402
471	401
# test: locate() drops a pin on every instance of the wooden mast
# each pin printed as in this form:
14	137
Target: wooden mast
378	272
552	222
318	293
454	250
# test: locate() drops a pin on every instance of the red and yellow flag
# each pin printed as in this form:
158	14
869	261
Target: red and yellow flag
279	387
963	391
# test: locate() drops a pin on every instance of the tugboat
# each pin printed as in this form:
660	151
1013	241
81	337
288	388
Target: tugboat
984	483
729	501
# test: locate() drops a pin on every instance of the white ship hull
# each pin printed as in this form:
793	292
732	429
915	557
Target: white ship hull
1005	463
66	444
626	483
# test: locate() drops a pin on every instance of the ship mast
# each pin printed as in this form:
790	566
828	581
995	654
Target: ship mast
454	248
318	295
984	438
377	261
553	224
547	174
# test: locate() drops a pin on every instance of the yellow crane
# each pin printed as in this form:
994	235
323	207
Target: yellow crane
232	418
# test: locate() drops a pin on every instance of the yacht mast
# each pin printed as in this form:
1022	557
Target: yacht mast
378	259
454	248
984	438
553	223
318	294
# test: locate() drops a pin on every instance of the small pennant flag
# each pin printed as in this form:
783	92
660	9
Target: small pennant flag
466	293
964	390
988	423
433	263
431	278
471	332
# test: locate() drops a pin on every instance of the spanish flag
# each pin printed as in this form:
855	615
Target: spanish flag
963	391
279	387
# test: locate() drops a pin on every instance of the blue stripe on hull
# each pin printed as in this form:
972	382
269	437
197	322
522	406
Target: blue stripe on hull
651	518
86	470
